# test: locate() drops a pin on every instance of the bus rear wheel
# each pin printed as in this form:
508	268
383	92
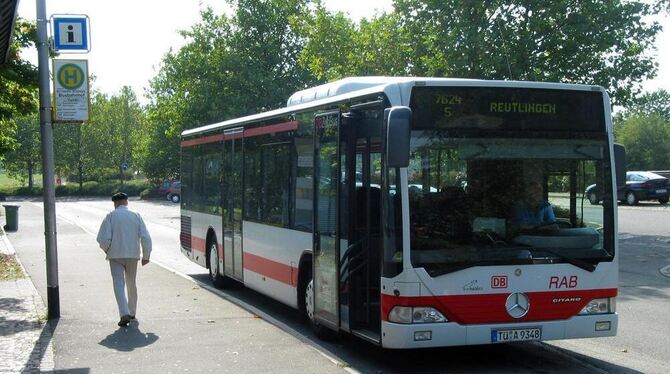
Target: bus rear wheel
321	331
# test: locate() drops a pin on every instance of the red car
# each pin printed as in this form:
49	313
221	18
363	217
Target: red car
171	190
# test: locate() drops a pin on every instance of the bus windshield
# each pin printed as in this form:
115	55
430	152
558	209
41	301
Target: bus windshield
506	196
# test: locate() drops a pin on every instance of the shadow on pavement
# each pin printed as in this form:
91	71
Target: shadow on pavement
599	365
126	339
10	326
69	371
41	345
12	304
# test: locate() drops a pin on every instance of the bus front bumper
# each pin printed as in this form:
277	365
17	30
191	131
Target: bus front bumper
426	335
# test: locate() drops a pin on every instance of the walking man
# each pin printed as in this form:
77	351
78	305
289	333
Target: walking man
120	236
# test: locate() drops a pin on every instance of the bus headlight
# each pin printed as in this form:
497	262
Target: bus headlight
417	314
600	306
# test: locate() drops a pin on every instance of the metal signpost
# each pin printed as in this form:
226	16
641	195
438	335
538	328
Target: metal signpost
71	34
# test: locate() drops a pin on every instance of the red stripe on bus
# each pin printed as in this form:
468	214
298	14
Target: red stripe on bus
204	140
279	127
271	129
235	135
271	269
198	244
490	308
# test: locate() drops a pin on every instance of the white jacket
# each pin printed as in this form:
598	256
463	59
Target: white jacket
121	232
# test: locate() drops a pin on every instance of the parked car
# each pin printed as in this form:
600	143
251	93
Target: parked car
640	185
171	190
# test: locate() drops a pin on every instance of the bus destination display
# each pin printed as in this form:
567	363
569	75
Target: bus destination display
497	108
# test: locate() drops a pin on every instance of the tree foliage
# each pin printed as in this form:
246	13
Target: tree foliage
603	42
644	128
657	102
18	85
647	141
24	161
97	149
336	47
231	66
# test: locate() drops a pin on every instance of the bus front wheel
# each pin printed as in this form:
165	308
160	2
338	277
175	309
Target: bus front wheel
321	331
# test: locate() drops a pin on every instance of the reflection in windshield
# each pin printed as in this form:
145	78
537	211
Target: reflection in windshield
506	201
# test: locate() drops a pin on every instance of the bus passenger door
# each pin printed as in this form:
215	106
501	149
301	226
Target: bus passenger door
326	236
232	203
360	261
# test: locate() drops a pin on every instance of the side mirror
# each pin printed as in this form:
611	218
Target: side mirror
620	164
398	128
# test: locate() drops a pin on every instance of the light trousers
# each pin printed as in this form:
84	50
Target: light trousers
124	273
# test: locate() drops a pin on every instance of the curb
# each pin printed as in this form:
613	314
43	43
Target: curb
46	359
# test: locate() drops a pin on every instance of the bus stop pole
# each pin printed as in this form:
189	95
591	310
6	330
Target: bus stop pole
49	191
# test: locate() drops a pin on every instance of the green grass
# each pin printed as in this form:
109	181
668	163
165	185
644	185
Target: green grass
12	187
8	182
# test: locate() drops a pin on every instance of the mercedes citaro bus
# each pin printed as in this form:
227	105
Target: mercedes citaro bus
385	208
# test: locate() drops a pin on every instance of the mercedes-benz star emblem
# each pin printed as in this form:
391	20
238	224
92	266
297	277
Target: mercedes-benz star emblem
517	305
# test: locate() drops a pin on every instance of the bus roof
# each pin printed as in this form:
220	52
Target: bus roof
396	88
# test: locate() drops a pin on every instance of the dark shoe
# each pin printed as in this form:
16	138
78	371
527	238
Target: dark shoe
125	320
132	317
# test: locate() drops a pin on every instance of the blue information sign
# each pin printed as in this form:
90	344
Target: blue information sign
70	33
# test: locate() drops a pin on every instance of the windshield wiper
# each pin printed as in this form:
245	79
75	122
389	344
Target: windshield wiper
588	266
436	269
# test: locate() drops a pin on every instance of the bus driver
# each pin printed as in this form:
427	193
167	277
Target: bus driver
533	213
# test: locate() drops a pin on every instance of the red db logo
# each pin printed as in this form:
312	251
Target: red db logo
499	281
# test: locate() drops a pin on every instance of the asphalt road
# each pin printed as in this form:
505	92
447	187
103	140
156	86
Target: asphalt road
641	344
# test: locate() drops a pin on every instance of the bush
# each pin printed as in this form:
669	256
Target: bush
24	191
67	189
149	193
90	188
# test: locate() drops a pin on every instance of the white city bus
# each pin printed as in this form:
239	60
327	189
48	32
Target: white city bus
382	207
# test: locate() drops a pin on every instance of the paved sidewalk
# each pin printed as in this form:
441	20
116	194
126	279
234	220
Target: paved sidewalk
25	338
180	328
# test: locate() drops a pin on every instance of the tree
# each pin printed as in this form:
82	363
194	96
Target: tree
70	157
336	47
158	154
230	67
657	102
647	141
605	42
98	148
18	85
24	161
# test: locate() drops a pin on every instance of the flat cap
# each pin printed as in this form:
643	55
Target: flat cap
119	196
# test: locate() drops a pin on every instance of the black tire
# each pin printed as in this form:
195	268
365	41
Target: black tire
631	199
218	279
175	198
322	332
663	200
593	199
